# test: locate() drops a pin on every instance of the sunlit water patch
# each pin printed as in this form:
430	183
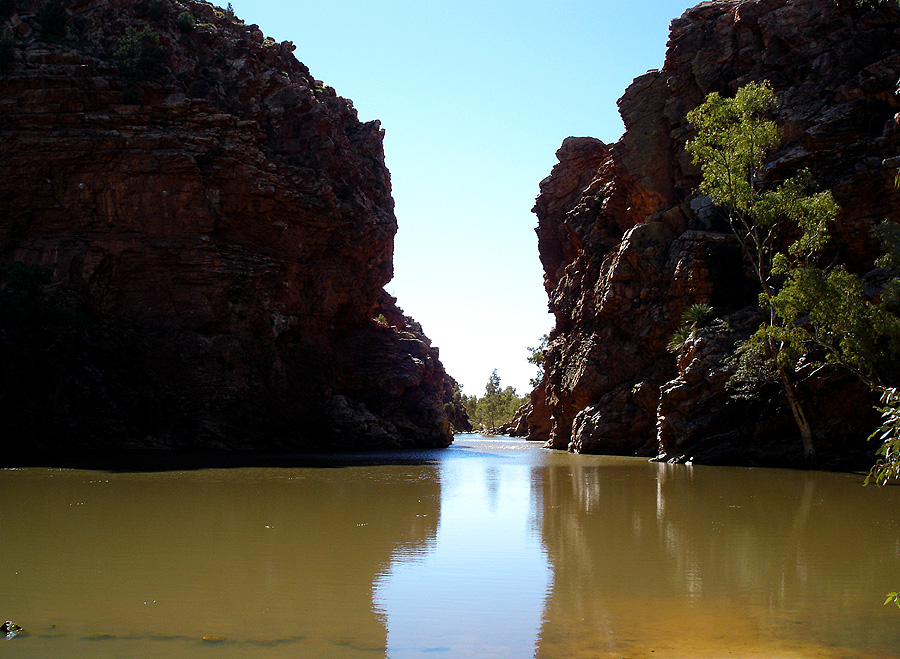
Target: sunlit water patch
479	589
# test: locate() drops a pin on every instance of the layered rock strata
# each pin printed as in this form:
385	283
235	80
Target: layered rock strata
222	222
627	244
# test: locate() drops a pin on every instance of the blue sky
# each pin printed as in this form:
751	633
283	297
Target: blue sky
475	98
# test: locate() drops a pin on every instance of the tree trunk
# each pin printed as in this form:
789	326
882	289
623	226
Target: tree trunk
809	449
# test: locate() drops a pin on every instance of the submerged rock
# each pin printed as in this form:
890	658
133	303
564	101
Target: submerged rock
11	630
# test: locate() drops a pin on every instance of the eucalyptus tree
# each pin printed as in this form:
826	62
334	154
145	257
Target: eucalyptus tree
734	137
822	315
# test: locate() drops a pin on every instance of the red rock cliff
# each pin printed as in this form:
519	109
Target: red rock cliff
225	225
627	244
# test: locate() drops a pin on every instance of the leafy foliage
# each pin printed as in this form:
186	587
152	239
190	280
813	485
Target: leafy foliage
680	336
752	369
893	597
496	407
888	233
456	411
819	315
185	22
733	139
536	357
693	318
140	55
888	464
829	310
698	314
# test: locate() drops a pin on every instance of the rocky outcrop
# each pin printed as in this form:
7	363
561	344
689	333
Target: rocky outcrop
627	244
223	223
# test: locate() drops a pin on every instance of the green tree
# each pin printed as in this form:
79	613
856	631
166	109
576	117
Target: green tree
496	407
140	55
887	465
471	405
185	22
511	404
492	403
822	315
733	139
536	357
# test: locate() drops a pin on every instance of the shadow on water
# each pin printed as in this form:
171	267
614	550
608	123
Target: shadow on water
126	461
162	563
161	461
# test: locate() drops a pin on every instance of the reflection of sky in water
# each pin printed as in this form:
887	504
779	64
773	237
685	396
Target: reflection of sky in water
479	589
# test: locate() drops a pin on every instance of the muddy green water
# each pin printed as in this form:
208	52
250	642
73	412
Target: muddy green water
493	548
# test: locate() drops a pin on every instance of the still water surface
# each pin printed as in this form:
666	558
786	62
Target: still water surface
492	548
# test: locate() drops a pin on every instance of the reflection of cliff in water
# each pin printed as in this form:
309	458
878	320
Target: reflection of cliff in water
287	556
654	556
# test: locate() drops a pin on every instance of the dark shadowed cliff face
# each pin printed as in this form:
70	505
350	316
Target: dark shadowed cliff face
223	226
627	245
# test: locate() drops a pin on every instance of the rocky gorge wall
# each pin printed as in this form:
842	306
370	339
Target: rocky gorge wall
222	228
627	244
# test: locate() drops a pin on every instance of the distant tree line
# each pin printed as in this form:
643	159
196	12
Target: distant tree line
496	407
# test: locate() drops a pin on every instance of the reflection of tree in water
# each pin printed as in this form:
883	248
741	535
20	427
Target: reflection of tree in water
491	482
650	556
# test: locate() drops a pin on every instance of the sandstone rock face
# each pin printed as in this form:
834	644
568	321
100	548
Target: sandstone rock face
226	227
627	244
